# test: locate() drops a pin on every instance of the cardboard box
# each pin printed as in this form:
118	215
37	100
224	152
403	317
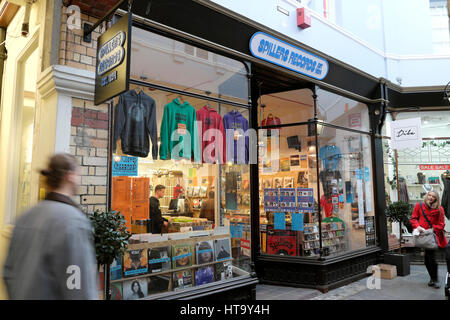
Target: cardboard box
387	271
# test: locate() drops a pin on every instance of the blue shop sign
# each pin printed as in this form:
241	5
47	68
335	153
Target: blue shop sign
268	48
125	166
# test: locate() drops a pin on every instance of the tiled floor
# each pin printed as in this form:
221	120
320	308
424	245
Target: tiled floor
411	287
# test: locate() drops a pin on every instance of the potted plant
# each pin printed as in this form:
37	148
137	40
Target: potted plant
110	240
398	212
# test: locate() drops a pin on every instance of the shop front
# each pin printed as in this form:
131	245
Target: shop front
413	170
238	160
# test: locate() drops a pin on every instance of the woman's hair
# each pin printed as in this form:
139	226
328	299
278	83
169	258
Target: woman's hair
59	165
437	204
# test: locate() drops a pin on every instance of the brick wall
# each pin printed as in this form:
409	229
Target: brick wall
73	51
89	123
89	143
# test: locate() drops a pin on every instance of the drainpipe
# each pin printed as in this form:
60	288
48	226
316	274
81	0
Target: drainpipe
26	19
3	56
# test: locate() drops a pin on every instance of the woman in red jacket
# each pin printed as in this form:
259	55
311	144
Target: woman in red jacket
431	206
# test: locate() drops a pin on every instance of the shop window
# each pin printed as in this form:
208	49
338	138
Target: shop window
189	172
288	192
288	107
315	179
342	111
346	186
419	169
177	65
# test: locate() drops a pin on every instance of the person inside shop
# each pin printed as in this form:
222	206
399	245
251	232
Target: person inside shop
157	222
52	243
207	208
430	214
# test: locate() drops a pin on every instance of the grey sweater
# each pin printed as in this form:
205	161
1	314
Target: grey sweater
51	255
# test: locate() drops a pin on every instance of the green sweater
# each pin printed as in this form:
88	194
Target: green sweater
178	121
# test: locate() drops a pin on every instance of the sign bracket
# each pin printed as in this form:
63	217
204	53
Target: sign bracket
89	28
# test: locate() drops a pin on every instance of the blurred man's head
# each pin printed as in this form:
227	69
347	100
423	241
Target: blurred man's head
159	191
62	174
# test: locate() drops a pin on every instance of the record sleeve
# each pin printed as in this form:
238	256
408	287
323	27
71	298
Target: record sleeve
222	248
116	269
204	252
135	262
135	289
182	279
159	259
116	291
204	275
181	256
158	283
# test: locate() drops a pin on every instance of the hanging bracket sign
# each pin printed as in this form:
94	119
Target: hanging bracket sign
283	54
113	60
406	133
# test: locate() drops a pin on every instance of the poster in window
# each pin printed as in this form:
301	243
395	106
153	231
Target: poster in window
282	243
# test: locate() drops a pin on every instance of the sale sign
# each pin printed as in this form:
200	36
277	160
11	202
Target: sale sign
434	167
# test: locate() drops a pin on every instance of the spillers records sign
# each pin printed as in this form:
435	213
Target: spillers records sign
113	60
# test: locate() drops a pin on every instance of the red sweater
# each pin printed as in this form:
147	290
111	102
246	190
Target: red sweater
436	218
210	119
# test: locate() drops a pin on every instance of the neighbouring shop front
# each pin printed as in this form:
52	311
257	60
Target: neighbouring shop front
271	172
413	170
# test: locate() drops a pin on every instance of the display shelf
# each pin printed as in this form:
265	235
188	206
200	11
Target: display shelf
325	231
169	271
420	185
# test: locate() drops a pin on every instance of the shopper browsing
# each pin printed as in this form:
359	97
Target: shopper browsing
51	255
431	209
156	219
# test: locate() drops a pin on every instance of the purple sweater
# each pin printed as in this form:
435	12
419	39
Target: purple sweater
234	120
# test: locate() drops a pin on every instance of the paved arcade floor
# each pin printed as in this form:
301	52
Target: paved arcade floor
411	287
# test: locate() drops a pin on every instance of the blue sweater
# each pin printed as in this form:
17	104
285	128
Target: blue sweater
235	121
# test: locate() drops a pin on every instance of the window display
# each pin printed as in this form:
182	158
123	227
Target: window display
188	215
182	186
300	173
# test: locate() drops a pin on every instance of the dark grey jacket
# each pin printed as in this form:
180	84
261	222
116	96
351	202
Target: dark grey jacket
51	255
135	120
